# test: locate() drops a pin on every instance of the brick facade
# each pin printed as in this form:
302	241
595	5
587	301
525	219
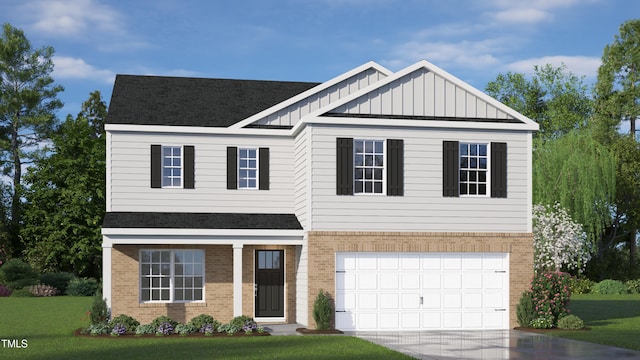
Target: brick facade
324	244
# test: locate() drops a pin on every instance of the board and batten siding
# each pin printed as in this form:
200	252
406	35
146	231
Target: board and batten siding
130	188
422	93
423	207
290	115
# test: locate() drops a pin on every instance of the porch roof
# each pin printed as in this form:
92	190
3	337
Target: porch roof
187	220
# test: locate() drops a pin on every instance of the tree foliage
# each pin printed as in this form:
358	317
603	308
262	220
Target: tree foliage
558	242
27	105
65	199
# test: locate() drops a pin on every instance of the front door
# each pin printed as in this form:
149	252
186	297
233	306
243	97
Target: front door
269	283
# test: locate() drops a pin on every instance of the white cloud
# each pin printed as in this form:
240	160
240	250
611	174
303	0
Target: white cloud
579	65
530	16
73	18
75	68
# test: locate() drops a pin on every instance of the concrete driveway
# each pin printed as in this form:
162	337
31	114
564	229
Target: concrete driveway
494	344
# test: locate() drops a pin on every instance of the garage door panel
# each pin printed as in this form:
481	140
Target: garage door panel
413	291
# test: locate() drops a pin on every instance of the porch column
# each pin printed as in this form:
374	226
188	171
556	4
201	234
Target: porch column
237	279
106	272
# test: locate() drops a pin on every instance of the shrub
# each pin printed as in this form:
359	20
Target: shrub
118	329
146	329
209	329
166	328
322	310
127	321
4	291
43	290
185	329
633	286
230	329
551	295
580	285
240	321
609	286
99	329
18	274
525	311
59	280
98	313
543	322
82	287
163	319
24	292
202	320
570	322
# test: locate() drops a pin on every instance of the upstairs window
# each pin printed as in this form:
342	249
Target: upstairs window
172	166
247	168
473	169
368	161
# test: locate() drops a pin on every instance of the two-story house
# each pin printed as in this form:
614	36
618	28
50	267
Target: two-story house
406	196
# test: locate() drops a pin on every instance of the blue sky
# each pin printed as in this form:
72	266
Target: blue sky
311	40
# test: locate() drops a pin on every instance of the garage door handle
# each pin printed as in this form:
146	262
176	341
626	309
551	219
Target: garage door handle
500	271
421	300
500	309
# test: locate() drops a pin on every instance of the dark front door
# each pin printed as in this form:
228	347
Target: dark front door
269	283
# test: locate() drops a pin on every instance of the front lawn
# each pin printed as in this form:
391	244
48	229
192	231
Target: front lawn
614	319
47	325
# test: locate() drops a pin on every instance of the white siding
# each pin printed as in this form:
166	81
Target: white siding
422	208
290	115
301	176
302	285
130	189
422	93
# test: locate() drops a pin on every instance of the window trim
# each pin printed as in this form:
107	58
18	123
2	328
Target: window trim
384	167
487	170
257	168
171	278
163	167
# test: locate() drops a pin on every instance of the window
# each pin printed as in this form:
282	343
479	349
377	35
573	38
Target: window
172	166
368	162
171	275
473	169
247	169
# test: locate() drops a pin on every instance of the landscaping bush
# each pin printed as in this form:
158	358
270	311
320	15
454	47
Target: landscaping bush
17	274
163	319
82	287
580	285
543	322
59	280
633	286
609	286
166	328
185	329
145	329
200	322
4	291
129	323
43	290
24	292
99	329
570	322
98	313
551	295
525	310
240	321
322	311
230	329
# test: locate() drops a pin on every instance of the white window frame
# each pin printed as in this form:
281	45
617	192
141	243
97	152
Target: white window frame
240	168
172	276
487	171
181	167
384	167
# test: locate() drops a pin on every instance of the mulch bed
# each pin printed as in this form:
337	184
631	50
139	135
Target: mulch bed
546	331
306	331
77	332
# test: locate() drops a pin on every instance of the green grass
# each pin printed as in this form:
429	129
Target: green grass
614	319
48	324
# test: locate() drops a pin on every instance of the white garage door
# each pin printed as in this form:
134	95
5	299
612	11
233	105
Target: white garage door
422	291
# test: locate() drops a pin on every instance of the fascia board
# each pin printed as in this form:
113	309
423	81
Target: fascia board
201	232
195	130
310	92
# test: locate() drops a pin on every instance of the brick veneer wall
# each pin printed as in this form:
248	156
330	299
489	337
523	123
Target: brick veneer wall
324	244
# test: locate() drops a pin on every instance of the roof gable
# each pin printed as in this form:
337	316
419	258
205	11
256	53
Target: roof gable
176	101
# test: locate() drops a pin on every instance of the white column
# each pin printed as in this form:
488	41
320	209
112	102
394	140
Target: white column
237	279
106	270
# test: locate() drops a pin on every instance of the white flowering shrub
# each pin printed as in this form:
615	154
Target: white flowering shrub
558	242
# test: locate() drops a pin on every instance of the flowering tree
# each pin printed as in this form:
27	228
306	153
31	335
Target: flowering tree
558	242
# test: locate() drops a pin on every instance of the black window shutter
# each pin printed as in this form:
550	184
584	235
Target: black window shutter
189	167
344	166
232	167
450	169
263	164
395	167
498	170
156	166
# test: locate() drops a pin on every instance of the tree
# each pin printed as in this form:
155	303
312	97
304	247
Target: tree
27	105
65	199
559	243
554	97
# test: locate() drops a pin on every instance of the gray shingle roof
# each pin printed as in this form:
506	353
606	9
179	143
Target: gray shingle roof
176	101
173	220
